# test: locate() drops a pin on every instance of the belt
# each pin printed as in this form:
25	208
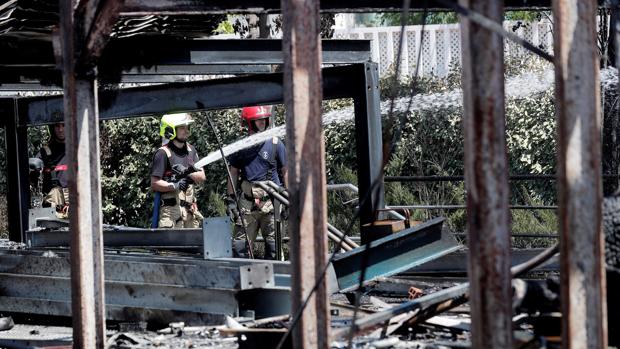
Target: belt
251	198
173	202
169	202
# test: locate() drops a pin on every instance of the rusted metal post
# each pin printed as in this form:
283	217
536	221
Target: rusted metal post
82	144
18	191
486	179
577	89
306	168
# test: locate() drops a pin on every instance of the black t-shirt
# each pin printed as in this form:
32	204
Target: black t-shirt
162	166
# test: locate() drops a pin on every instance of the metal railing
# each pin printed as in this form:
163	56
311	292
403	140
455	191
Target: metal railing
460	178
280	194
521	177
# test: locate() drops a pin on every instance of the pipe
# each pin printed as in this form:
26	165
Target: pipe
333	233
353	188
335	239
340	235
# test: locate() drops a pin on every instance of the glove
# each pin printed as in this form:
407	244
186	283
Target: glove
232	209
180	169
181	185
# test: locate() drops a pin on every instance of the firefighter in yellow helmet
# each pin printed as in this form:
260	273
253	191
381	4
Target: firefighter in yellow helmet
173	175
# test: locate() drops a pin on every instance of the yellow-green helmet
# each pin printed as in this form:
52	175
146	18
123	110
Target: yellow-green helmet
169	123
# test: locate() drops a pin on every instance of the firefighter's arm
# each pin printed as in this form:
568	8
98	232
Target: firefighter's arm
234	173
284	172
198	176
162	186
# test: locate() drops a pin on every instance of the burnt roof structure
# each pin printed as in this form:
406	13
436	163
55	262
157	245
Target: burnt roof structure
73	46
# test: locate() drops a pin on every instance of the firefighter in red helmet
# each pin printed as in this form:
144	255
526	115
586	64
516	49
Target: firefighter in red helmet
250	117
263	162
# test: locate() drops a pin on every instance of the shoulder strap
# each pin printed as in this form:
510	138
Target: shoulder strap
168	156
167	151
191	152
272	159
47	150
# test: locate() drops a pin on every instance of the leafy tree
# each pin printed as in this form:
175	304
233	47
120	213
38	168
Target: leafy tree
527	16
416	18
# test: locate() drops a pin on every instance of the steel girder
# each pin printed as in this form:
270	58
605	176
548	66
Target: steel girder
136	288
394	254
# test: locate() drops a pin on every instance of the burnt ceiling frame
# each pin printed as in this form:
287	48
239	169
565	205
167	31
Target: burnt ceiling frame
193	7
144	58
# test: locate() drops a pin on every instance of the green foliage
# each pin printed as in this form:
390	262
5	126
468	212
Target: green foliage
127	147
416	18
528	16
431	143
341	204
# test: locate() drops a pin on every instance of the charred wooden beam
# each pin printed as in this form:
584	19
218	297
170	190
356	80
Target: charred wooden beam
486	179
577	89
82	144
306	170
98	18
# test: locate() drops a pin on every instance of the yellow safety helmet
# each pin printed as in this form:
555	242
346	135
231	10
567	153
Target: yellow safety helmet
169	123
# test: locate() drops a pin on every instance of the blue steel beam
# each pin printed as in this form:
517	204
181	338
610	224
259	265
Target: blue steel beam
394	254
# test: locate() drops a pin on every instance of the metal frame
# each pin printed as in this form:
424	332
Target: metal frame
369	148
150	52
338	82
148	56
138	289
456	263
213	94
145	238
520	177
188	7
18	189
395	253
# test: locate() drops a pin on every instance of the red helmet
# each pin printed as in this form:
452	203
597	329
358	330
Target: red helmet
251	114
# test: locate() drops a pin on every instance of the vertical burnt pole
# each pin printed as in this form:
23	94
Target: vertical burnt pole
82	144
486	179
368	133
18	189
306	168
577	89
